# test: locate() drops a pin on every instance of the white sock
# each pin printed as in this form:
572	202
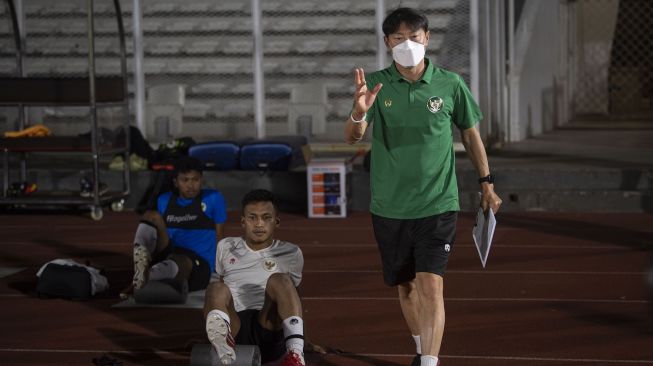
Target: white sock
418	344
164	269
146	236
219	313
293	331
429	361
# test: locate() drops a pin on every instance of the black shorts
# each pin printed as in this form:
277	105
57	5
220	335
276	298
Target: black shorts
408	246
200	275
271	343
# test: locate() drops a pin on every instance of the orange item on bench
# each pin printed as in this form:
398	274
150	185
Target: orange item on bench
37	130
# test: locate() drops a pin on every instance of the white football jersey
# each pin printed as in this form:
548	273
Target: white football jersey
246	271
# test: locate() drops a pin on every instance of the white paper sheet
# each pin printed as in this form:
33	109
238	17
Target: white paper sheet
483	232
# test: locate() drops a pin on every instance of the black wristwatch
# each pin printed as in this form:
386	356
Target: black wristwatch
489	178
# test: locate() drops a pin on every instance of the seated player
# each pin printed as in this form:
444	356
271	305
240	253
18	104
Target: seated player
178	240
252	298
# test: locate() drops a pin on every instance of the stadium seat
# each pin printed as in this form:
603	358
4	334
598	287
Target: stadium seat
71	67
238	46
185	66
278	46
8	67
180	26
202	47
215	25
360	23
342	6
229	6
37	67
107	66
195	6
298	6
228	67
275	108
153	7
326	24
287	25
271	6
162	47
46	26
270	66
313	46
240	108
152	25
208	88
153	66
243	88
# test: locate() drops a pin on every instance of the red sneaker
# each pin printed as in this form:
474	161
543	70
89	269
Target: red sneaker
293	358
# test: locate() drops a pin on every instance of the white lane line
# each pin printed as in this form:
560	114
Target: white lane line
505	358
489	272
8	271
348	245
68	244
481	299
458	299
139	351
453	271
513	358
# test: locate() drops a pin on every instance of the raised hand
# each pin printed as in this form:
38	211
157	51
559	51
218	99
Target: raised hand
363	97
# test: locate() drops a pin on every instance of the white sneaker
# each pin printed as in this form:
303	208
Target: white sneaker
219	334
141	266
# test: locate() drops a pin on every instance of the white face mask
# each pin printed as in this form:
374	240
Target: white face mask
408	53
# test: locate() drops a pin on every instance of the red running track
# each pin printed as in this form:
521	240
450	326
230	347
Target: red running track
559	289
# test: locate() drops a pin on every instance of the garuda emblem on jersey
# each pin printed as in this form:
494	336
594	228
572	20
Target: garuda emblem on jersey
269	265
434	104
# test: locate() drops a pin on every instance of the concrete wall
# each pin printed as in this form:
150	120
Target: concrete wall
537	45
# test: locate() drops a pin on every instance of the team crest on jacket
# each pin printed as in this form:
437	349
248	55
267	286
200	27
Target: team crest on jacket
269	265
434	104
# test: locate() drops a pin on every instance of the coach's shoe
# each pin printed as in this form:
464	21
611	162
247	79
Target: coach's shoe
219	334
293	358
417	360
141	266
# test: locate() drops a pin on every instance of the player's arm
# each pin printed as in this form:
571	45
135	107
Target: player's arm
475	149
363	99
219	214
219	231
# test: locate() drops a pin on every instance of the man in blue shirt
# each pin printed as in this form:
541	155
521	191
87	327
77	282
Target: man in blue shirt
178	240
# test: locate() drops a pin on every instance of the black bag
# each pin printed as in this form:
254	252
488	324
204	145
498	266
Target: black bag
160	182
137	143
64	281
173	149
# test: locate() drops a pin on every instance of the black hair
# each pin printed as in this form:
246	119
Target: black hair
408	16
258	195
185	164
